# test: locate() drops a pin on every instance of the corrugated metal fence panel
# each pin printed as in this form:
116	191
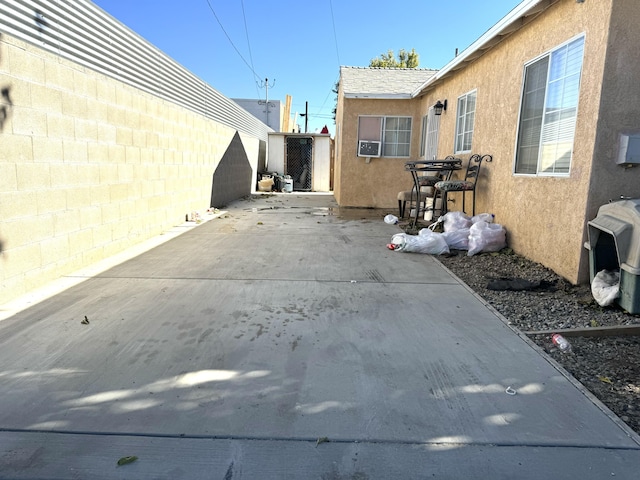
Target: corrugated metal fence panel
84	33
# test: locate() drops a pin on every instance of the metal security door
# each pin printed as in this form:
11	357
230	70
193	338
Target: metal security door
299	162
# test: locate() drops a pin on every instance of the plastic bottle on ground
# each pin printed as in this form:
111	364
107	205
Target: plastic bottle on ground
561	342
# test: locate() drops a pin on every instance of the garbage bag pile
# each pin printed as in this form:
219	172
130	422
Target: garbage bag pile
475	234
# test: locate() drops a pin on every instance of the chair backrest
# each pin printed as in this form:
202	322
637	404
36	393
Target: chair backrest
473	167
447	175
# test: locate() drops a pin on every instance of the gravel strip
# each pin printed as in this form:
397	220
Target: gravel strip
609	367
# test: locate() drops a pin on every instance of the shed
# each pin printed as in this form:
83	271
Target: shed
306	157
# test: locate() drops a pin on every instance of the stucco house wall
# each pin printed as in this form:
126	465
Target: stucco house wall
91	166
338	142
375	184
545	217
619	110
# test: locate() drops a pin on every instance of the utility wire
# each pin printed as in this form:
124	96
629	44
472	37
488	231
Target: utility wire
325	115
335	41
335	37
246	31
231	41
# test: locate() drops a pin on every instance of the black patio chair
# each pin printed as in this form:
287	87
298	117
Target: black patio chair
468	184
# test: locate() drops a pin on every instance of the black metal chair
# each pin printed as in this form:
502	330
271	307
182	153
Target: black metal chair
439	169
468	184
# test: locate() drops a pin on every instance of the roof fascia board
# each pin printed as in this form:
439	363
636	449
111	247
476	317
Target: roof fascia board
506	25
380	96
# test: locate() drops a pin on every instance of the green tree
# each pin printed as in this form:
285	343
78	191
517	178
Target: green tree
404	60
335	90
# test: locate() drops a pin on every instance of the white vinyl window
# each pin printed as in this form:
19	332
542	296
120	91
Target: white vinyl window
548	111
393	132
465	121
397	137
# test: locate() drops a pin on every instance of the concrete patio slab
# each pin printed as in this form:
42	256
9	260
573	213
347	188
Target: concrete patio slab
228	351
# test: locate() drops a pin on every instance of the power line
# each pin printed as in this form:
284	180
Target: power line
335	41
330	92
335	37
246	31
231	41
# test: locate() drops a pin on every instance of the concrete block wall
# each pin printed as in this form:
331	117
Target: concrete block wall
90	166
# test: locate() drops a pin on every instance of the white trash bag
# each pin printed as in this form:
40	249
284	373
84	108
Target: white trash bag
457	239
431	243
486	237
487	217
605	287
391	219
455	221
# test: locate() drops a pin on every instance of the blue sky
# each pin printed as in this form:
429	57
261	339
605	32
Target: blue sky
299	45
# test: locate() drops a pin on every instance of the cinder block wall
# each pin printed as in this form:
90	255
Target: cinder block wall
90	166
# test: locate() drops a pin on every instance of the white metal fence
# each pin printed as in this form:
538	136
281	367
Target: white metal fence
81	31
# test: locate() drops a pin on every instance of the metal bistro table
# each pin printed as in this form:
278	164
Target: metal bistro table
426	173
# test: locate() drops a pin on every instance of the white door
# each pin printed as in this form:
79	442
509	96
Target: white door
430	133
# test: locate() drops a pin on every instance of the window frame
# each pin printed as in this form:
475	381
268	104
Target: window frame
383	135
462	121
547	113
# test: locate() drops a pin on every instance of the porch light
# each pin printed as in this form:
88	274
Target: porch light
439	107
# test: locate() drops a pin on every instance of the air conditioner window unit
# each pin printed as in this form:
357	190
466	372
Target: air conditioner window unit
368	148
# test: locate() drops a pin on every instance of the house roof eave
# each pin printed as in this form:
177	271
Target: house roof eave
379	96
513	21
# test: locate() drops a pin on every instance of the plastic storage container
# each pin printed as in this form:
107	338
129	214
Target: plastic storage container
288	184
614	244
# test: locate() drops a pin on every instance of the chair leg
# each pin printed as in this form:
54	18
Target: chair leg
401	208
434	207
473	192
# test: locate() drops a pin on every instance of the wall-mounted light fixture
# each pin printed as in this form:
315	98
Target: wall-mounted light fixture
439	107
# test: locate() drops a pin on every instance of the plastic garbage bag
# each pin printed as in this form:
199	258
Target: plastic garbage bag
605	287
457	239
456	221
487	217
426	241
391	219
486	237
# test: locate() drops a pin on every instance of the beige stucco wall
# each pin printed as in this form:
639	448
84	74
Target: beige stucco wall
545	217
91	166
620	108
375	184
337	168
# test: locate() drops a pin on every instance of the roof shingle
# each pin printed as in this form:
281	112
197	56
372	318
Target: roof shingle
368	82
